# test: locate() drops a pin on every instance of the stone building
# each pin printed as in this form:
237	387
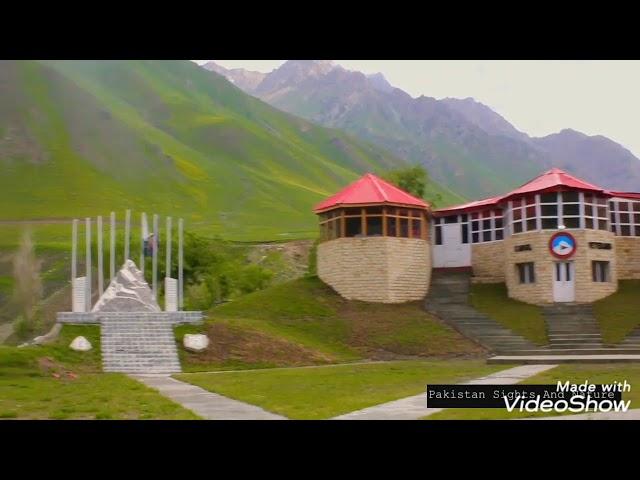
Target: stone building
554	239
374	243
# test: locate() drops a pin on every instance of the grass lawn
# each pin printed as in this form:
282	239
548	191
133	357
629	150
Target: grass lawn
304	322
618	314
522	318
598	374
326	391
55	382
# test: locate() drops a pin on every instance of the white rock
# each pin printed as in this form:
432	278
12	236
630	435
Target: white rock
195	342
80	344
127	292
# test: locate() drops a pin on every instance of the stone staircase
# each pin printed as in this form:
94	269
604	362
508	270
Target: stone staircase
574	330
138	343
448	299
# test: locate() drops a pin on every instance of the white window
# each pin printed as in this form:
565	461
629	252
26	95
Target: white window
526	272
625	217
595	212
600	271
487	226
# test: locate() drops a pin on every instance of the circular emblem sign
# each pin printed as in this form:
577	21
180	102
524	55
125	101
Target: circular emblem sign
562	245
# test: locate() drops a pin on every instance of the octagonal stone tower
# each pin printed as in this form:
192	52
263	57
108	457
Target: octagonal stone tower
374	243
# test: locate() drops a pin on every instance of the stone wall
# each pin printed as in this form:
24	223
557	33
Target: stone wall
628	257
487	261
376	269
586	289
541	292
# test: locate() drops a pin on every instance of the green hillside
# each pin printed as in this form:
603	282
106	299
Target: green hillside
81	138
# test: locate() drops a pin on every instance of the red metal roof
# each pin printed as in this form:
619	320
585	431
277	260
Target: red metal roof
370	189
467	207
549	180
633	195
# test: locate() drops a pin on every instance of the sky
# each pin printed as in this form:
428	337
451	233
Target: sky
538	97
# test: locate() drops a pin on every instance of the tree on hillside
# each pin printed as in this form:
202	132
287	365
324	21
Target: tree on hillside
410	179
27	284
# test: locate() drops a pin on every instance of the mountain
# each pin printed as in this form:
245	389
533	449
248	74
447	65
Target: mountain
80	138
246	80
464	144
483	117
598	158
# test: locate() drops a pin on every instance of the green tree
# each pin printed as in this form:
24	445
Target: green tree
410	179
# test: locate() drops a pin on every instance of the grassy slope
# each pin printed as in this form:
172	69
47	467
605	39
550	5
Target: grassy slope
324	392
618	314
520	317
55	382
304	322
82	138
595	374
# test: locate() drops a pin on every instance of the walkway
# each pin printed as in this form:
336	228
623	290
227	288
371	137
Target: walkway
207	405
415	407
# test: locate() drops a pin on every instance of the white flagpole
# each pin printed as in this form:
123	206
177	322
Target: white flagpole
155	257
74	258
112	247
88	266
168	259
127	229
100	275
180	262
144	233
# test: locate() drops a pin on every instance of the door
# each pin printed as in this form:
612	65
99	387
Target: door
564	282
453	252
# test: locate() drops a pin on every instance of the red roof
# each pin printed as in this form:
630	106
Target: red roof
632	195
370	189
549	180
466	207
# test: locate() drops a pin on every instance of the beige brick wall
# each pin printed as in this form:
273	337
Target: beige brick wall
541	292
628	257
376	269
487	261
586	289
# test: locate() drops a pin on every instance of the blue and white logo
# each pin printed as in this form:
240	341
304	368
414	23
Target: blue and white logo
563	245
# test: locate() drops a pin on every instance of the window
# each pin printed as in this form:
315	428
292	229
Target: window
600	271
625	217
487	226
374	221
526	272
353	227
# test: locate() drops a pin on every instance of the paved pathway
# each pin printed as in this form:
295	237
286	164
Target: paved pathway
415	407
556	359
207	405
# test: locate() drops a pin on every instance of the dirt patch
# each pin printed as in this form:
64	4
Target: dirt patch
289	260
236	344
51	368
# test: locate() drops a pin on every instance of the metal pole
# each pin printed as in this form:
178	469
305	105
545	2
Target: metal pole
180	262
74	257
100	275
167	267
127	229
155	257
112	247
88	265
143	222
